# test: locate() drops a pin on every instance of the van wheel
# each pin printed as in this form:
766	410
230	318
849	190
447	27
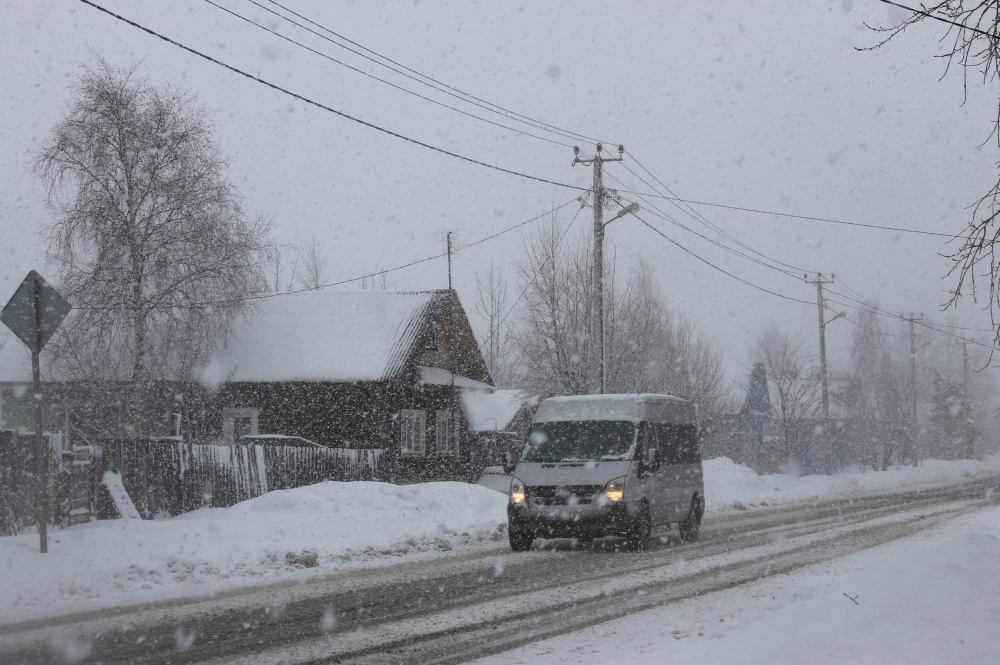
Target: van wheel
520	541
690	525
637	536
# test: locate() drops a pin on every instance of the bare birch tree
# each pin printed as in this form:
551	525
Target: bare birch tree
555	317
153	246
310	269
648	348
494	306
794	377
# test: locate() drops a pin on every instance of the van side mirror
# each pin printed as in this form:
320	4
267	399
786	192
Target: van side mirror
652	461
508	462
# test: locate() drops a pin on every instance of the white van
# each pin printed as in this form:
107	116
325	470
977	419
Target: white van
608	465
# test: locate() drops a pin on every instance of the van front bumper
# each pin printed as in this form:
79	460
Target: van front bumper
613	519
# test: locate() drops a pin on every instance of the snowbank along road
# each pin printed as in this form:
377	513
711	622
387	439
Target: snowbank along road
454	609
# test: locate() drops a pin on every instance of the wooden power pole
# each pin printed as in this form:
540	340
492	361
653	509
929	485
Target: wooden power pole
821	305
598	336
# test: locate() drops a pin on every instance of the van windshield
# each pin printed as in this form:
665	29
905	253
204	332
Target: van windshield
579	440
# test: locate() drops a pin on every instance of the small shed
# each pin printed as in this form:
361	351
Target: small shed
500	420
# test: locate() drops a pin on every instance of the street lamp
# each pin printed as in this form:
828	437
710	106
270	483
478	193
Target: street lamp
630	209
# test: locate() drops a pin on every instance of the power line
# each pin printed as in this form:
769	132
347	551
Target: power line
434	83
953	327
884	333
895	317
657	212
712	265
265	296
793	216
376	78
524	291
687	209
323	106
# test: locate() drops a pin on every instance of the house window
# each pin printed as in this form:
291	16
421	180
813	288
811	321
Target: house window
432	340
238	423
242	426
411	432
447	439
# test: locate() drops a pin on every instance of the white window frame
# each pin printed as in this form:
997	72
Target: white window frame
410	419
229	417
447	433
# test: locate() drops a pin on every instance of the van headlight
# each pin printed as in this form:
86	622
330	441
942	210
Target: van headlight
614	490
516	491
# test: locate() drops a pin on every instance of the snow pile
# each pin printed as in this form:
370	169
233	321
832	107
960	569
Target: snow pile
929	598
282	535
730	486
113	481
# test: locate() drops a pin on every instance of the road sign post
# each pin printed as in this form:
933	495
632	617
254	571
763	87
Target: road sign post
34	313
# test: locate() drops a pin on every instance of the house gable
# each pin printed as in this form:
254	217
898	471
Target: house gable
448	342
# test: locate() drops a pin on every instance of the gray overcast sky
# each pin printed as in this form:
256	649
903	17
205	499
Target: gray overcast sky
726	102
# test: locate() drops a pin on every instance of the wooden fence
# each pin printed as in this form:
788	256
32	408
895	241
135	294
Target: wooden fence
162	477
169	477
17	482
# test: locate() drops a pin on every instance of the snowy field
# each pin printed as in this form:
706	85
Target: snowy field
929	598
293	535
728	484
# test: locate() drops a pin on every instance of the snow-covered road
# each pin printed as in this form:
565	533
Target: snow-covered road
933	597
486	600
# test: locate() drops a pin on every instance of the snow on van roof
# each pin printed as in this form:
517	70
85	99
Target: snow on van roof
327	336
599	407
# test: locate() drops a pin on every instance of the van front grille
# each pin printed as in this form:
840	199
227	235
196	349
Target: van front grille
562	495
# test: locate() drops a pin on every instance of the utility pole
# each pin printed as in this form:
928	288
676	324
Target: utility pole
598	336
449	260
819	282
913	388
970	446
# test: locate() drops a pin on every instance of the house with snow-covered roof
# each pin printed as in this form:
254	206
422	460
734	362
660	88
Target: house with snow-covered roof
370	369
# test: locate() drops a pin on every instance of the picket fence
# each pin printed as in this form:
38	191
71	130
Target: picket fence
162	476
169	477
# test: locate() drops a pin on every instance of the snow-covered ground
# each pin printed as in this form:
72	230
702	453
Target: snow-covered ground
283	535
292	535
727	484
930	598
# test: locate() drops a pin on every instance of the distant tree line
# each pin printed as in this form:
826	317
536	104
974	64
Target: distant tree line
872	402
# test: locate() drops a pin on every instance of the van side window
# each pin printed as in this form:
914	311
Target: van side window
678	444
689	452
648	432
